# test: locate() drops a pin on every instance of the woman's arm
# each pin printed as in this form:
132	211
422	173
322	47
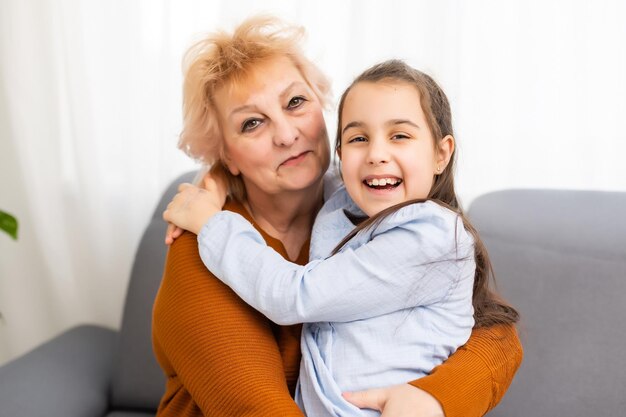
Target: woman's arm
474	379
469	383
219	354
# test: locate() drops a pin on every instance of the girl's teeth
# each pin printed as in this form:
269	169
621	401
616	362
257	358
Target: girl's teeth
376	182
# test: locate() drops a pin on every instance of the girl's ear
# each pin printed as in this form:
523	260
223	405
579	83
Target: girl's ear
445	150
339	153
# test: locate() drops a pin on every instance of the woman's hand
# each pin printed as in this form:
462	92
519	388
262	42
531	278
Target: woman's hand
192	207
397	401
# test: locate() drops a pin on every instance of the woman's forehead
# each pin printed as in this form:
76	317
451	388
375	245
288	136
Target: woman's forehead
265	81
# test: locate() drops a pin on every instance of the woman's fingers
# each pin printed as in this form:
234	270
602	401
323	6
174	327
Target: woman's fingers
372	398
398	401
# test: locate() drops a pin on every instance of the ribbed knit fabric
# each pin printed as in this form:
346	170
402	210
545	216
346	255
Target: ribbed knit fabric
475	378
223	358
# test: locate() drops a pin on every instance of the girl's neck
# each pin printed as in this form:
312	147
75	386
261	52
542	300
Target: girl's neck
288	216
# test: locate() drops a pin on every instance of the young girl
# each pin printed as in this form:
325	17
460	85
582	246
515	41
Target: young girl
383	302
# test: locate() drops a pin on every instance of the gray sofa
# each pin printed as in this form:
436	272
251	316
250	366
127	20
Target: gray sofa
559	256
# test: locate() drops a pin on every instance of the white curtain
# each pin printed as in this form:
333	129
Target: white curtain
90	112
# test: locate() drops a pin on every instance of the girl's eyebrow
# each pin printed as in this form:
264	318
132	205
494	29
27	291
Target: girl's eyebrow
391	122
401	122
352	124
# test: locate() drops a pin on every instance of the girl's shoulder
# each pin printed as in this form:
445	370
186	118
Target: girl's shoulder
428	220
340	201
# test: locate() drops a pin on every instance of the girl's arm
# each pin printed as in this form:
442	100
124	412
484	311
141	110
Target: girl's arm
220	355
392	271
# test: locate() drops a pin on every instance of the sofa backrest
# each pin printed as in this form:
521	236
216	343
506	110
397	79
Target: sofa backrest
138	381
560	258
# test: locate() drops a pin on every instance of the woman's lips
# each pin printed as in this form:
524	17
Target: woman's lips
295	160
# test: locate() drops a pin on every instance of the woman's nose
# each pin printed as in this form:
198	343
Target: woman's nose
285	132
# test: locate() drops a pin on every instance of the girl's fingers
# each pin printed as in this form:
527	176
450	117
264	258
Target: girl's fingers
177	232
184	185
168	233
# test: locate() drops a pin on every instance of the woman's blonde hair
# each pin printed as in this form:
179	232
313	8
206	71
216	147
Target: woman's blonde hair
229	59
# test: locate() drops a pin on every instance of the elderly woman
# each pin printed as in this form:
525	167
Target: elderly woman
253	110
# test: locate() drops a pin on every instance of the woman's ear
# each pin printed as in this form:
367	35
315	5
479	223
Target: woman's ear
228	162
445	150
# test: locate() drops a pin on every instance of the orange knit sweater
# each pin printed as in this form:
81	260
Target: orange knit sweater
223	358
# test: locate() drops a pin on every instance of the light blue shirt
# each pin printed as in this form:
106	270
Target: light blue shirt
394	302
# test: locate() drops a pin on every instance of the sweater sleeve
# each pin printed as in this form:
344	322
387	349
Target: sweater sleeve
220	355
474	379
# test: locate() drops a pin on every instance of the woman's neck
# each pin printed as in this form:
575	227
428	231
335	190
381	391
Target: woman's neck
288	216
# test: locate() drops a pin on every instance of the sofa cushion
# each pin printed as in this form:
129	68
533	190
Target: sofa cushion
560	258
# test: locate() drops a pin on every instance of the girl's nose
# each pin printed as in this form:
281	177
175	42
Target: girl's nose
285	133
377	153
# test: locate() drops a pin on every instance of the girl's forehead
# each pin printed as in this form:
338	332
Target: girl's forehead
386	86
382	97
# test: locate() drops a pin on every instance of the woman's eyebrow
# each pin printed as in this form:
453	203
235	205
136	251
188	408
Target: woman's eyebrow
290	87
244	108
252	107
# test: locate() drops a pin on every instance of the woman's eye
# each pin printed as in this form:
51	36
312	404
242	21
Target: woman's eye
250	124
296	102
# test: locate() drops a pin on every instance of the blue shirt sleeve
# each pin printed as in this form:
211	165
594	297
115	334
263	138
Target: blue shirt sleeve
413	259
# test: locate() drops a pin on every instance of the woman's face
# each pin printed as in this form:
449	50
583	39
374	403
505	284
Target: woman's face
274	131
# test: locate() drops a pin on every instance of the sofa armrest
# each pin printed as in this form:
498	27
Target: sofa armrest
66	377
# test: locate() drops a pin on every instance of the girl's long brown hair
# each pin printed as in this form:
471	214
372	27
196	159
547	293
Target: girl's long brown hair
489	307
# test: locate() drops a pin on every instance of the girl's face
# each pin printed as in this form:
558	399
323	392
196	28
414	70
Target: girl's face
274	131
388	153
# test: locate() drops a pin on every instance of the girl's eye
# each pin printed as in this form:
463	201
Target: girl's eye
399	136
296	102
250	124
357	139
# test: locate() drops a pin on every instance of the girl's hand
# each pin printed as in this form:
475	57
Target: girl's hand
192	207
215	186
398	401
173	232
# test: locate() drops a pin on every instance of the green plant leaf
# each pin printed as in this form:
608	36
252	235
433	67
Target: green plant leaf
8	224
